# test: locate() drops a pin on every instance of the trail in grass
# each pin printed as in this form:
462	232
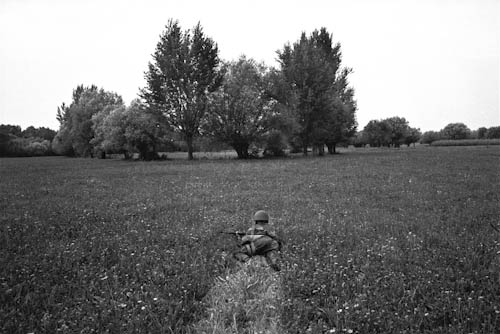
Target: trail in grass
246	301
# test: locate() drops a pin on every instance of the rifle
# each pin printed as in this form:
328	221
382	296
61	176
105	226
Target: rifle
236	233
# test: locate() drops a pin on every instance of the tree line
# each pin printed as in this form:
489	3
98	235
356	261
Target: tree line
191	93
193	98
458	131
15	142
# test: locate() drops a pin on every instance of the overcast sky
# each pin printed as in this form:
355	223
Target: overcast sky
432	62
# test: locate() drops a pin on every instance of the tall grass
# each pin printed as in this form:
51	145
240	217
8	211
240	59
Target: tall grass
386	241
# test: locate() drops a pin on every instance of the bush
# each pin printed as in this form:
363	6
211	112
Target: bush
275	144
25	147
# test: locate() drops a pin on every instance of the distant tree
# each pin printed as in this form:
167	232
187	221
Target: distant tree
126	130
378	133
41	132
180	80
481	133
399	130
76	132
455	131
413	135
240	106
359	139
14	130
314	88
493	132
429	136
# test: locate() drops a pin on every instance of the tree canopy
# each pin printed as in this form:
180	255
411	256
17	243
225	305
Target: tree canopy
315	88
240	107
184	73
76	131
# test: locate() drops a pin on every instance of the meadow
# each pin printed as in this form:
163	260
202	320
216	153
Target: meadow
377	240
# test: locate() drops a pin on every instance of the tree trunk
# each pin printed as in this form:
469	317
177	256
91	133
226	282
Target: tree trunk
331	148
241	150
321	150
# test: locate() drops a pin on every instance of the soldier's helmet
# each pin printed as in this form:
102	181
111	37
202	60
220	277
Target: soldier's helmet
261	215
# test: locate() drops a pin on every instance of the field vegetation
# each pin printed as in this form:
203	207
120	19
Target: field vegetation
466	142
377	241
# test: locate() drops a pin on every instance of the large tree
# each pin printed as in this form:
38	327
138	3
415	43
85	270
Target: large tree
315	88
184	73
240	107
399	130
128	129
455	131
76	132
377	133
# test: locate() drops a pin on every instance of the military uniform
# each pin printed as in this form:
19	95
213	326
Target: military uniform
260	241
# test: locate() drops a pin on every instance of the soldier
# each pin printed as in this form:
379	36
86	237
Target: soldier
260	240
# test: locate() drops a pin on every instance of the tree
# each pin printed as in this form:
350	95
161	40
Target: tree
378	133
180	80
399	130
128	129
240	107
314	88
481	132
42	133
412	136
430	136
455	131
341	122
7	129
493	132
76	132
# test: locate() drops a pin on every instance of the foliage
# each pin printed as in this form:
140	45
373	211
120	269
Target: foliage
128	129
392	131
314	88
183	75
24	147
41	132
27	143
275	144
240	107
399	130
384	241
76	130
455	131
430	136
377	133
481	133
493	132
7	129
466	142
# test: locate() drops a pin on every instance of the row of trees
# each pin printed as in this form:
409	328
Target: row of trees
15	142
457	131
190	93
393	131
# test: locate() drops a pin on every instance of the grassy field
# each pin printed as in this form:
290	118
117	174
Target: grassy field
377	240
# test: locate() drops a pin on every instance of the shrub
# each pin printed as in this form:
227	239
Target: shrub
275	144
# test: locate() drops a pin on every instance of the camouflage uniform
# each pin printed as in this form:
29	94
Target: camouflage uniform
259	241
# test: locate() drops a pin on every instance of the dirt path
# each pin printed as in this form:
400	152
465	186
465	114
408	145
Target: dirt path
247	301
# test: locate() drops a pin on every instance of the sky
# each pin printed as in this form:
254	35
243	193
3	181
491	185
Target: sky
431	62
